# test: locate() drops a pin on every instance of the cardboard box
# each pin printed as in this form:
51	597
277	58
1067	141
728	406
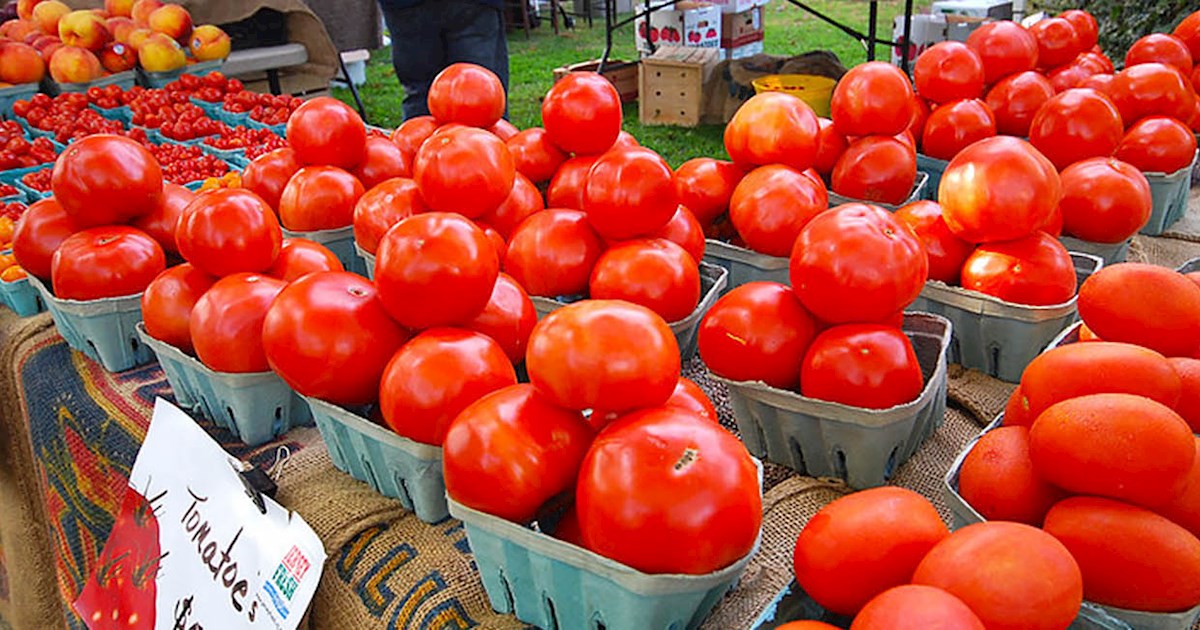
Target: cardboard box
743	51
692	24
738	6
960	27
671	85
926	30
739	29
622	74
995	9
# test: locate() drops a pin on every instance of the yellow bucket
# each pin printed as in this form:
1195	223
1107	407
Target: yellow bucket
814	90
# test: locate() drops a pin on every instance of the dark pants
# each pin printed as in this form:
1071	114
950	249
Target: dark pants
432	35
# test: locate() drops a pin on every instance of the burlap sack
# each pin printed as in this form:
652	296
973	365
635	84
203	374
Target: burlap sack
729	85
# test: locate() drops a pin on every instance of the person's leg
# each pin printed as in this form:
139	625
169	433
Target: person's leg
418	52
474	33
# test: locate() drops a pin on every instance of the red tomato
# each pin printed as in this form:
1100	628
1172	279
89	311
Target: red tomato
516	440
382	207
508	318
1148	305
412	133
625	140
326	131
773	128
582	113
40	230
300	256
954	126
862	365
1102	83
227	231
757	332
467	93
1058	42
104	180
874	98
772	204
160	223
328	336
1189	31
383	160
915	607
1152	89
319	198
875	168
638	472
1015	99
1076	125
1069	76
684	230
435	376
948	71
946	252
1160	48
1104	200
468	171
1188	405
534	155
1086	28
629	193
857	263
227	322
1157	144
504	130
998	480
688	395
108	261
998	189
603	353
704	186
498	243
566	189
863	544
1035	270
831	145
269	173
654	273
168	301
1005	48
552	253
435	269
524	200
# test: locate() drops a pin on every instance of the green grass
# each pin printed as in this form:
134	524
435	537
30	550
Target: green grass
789	31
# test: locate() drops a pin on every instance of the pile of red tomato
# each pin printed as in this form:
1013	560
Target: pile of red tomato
16	151
213	87
264	108
67	116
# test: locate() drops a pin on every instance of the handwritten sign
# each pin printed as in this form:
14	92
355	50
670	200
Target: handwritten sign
191	549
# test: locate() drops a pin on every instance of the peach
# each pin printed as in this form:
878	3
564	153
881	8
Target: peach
119	8
209	43
173	21
47	15
138	36
84	29
18	30
32	37
73	64
20	63
49	47
142	9
120	27
160	53
25	8
118	57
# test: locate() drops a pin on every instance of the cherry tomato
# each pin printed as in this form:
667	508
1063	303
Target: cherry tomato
1086	28
382	207
508	318
468	171
567	187
227	322
654	273
435	269
534	155
326	131
168	301
227	231
773	128
1005	48
876	168
38	233
582	113
1076	125
629	193
998	189
467	93
552	253
704	186
1015	99
684	230
948	71
874	98
638	472
1157	144
435	376
1104	200
603	353
524	200
108	261
956	125
105	180
871	366
1160	48
319	198
757	332
1035	270
383	160
831	144
857	263
946	252
1152	89
511	451
161	223
1058	42
772	204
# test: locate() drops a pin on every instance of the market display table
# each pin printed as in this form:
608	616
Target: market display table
70	431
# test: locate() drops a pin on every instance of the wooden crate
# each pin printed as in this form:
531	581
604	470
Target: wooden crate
671	85
622	74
